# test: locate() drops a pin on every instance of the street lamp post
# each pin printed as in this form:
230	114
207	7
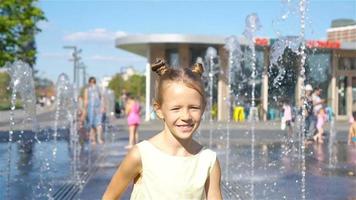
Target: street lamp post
76	59
83	67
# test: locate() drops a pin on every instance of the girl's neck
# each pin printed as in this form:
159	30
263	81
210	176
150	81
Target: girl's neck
179	147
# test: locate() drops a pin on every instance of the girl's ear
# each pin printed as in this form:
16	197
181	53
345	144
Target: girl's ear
158	110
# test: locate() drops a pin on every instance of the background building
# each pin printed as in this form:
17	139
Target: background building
342	30
330	65
127	72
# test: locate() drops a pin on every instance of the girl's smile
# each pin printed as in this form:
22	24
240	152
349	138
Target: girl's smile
181	109
185	128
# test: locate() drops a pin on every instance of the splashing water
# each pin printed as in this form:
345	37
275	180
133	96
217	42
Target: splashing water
277	51
65	103
21	83
297	45
235	55
210	55
302	9
66	113
331	141
252	25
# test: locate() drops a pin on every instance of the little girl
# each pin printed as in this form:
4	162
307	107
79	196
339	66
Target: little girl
321	119
171	165
132	110
287	117
352	131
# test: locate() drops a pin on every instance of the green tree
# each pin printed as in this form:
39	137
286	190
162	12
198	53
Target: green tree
136	85
117	85
18	26
4	85
42	84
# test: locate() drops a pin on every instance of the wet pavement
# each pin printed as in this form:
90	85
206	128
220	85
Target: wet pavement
277	172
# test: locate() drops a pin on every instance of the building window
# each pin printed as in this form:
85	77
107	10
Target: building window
342	86
282	80
347	63
318	70
197	53
173	57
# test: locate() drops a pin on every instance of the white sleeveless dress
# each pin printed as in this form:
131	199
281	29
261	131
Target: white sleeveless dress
167	177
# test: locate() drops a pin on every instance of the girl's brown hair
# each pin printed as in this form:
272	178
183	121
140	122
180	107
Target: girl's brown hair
191	77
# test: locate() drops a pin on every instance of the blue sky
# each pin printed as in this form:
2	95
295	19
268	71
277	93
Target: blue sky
93	25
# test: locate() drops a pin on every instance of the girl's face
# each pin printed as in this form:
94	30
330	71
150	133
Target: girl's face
181	109
322	111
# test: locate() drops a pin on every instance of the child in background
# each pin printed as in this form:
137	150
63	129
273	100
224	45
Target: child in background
133	112
171	165
321	119
287	117
352	130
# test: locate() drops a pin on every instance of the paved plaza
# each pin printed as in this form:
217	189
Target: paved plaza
113	151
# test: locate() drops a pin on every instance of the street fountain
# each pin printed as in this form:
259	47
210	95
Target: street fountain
235	55
294	169
210	55
21	83
252	25
297	46
273	171
50	163
66	118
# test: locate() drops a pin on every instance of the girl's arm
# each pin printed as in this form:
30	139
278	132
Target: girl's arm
127	107
129	169
350	135
212	185
85	105
103	103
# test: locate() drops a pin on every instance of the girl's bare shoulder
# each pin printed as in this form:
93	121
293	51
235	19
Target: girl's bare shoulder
134	156
156	139
353	125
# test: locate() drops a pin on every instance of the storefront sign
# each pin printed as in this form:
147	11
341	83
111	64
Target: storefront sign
262	41
323	44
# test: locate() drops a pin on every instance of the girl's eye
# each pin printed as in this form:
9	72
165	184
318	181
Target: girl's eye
175	109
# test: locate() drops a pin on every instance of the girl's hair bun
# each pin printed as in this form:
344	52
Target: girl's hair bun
160	66
198	69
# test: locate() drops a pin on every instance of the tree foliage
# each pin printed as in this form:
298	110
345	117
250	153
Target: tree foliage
18	26
117	85
4	85
134	85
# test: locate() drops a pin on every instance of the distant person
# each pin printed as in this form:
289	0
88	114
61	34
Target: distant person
118	110
81	126
93	111
318	102
133	112
123	99
352	131
172	165
329	113
320	113
287	117
321	119
308	109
